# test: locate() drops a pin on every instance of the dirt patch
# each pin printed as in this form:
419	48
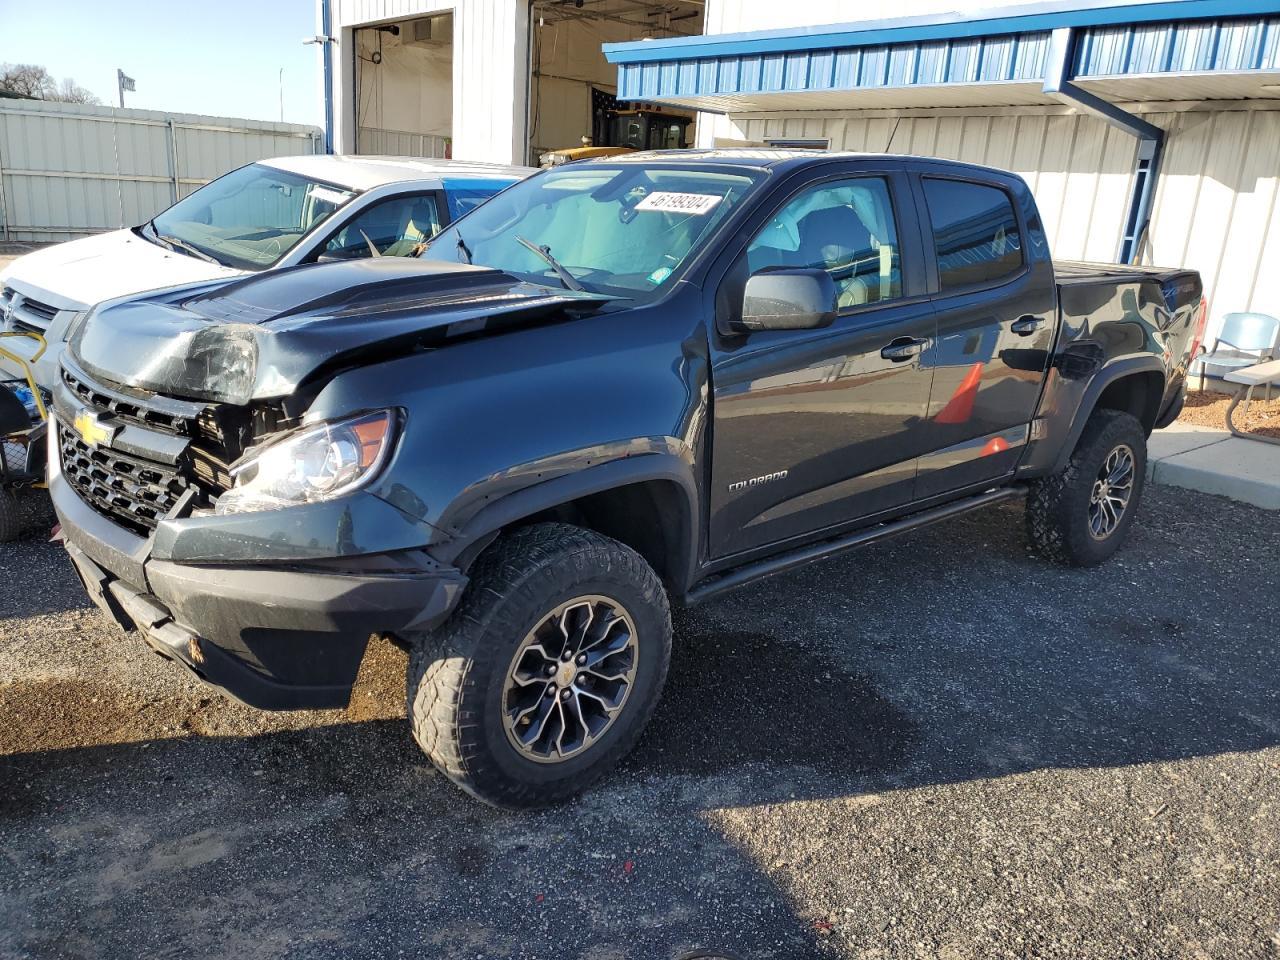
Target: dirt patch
45	713
379	690
1208	408
62	712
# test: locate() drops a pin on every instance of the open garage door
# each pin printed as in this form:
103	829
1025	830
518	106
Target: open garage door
572	87
404	87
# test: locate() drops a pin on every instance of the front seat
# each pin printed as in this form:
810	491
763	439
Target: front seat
834	238
420	227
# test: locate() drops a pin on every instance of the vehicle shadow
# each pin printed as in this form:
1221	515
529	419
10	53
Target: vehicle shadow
951	656
47	581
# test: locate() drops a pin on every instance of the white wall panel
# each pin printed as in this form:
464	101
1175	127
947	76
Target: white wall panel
491	62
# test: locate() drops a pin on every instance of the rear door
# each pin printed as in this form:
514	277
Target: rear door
995	306
813	429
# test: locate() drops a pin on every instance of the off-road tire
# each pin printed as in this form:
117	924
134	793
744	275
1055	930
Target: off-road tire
457	673
12	516
1058	505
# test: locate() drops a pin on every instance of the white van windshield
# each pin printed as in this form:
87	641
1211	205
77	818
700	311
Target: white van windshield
247	219
624	230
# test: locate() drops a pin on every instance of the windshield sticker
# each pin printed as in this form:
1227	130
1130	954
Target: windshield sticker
695	203
659	275
336	197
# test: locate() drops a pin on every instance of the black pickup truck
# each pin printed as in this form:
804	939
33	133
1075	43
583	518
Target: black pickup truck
619	384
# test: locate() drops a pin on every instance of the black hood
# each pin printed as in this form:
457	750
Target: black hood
261	336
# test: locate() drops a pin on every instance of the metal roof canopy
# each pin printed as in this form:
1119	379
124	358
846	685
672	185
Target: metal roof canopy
1088	53
996	59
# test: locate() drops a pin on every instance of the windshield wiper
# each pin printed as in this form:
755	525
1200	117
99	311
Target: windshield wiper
463	248
565	276
176	244
155	235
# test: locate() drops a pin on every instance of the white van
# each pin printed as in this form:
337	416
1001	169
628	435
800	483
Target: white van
263	216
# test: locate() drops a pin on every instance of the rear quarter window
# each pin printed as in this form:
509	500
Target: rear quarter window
463	197
975	232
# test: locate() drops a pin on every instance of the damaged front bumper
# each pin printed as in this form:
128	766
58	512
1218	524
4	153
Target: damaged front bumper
277	636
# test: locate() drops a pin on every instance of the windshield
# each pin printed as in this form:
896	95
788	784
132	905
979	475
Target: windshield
248	219
623	230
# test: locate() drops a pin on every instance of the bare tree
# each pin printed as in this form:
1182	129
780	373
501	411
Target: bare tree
33	80
27	80
72	92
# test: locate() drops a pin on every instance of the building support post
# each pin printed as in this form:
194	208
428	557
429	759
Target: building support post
1059	72
326	53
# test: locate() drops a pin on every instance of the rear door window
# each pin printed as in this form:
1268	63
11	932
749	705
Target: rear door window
975	232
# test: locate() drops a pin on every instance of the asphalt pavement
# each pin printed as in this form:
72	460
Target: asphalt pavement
939	747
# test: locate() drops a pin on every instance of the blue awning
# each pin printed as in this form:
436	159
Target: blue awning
1176	49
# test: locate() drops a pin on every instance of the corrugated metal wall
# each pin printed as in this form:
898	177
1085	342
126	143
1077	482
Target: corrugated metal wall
67	170
1215	209
375	141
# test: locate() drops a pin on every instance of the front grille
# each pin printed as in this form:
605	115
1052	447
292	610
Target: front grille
123	408
42	312
131	490
24	313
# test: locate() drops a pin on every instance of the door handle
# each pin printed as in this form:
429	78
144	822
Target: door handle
903	348
1025	326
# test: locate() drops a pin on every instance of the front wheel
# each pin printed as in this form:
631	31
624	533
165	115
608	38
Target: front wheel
548	671
1081	515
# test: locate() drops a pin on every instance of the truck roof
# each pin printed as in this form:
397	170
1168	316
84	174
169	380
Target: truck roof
364	173
766	158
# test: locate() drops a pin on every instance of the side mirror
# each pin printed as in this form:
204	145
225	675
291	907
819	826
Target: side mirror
787	299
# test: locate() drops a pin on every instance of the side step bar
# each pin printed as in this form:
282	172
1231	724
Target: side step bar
749	572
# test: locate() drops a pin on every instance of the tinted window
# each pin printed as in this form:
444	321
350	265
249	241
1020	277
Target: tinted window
846	228
397	227
975	232
463	196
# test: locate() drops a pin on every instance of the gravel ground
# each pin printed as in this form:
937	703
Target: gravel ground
1208	408
940	747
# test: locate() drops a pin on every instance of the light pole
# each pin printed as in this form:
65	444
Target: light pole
281	94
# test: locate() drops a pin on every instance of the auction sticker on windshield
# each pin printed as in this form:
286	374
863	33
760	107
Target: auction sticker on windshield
695	203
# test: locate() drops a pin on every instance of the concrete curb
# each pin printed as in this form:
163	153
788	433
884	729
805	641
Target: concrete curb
1213	461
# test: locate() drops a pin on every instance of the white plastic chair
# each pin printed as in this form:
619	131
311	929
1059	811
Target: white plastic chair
1245	339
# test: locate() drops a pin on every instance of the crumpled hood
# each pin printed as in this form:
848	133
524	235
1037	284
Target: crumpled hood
260	337
80	273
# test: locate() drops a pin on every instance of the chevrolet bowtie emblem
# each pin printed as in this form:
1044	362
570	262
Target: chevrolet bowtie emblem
91	430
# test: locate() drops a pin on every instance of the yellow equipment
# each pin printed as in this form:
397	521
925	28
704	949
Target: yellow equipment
644	128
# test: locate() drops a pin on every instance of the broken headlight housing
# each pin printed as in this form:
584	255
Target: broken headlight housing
316	463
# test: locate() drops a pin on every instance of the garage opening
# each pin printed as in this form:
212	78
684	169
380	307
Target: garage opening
573	110
404	87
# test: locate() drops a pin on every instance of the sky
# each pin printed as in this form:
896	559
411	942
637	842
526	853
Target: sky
219	57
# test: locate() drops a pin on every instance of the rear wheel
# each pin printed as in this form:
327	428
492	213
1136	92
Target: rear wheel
548	671
1082	514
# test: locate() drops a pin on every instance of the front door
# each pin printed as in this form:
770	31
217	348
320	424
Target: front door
996	309
815	428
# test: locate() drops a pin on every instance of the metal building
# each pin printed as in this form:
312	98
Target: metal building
497	80
1149	131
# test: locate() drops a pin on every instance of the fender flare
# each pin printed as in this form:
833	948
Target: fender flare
1108	374
485	524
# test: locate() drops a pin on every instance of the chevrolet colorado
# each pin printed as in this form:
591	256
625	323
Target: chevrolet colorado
618	384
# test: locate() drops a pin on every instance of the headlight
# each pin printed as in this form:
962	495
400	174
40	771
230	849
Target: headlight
74	324
319	463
